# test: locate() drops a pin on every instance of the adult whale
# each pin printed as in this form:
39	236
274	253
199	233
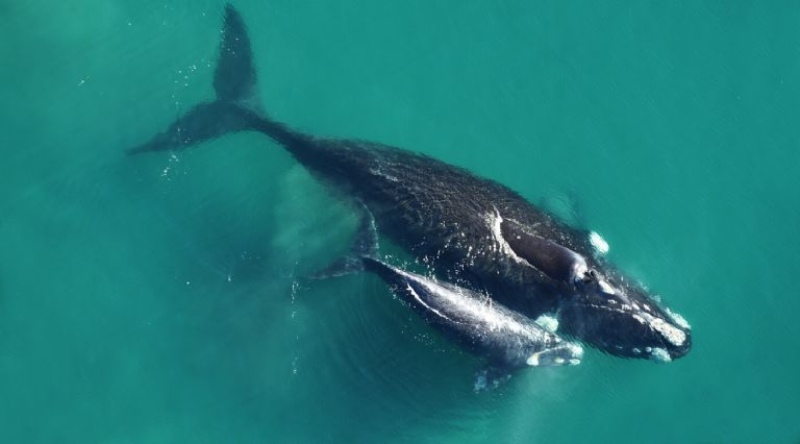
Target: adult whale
471	230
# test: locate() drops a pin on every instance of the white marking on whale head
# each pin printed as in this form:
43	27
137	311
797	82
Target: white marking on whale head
661	355
680	320
674	335
573	351
576	350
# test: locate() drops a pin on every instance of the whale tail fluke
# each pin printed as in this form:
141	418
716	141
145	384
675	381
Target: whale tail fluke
237	106
235	78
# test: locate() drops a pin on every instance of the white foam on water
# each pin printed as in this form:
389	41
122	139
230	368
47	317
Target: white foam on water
600	245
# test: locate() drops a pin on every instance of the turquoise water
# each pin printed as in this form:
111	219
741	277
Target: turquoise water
159	298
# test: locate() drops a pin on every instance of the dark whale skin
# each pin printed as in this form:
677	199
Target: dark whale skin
442	214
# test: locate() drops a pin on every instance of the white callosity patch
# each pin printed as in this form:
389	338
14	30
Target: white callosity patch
547	322
680	320
577	352
660	355
600	245
573	350
674	335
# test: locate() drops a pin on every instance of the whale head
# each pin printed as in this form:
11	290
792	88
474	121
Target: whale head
619	317
599	306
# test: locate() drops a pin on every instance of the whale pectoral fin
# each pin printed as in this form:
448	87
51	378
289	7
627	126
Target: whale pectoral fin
490	378
364	245
340	267
565	206
554	260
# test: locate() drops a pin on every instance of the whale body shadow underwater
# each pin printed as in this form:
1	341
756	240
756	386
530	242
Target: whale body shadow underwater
509	281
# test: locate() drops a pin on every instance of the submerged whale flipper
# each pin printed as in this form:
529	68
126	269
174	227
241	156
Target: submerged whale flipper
364	245
555	260
490	378
237	106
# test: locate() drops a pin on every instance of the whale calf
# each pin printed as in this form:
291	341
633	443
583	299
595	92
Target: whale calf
507	340
472	231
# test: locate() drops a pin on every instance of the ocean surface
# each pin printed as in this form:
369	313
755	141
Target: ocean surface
161	298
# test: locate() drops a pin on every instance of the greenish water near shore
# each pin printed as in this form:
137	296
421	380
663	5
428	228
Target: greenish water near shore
159	298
